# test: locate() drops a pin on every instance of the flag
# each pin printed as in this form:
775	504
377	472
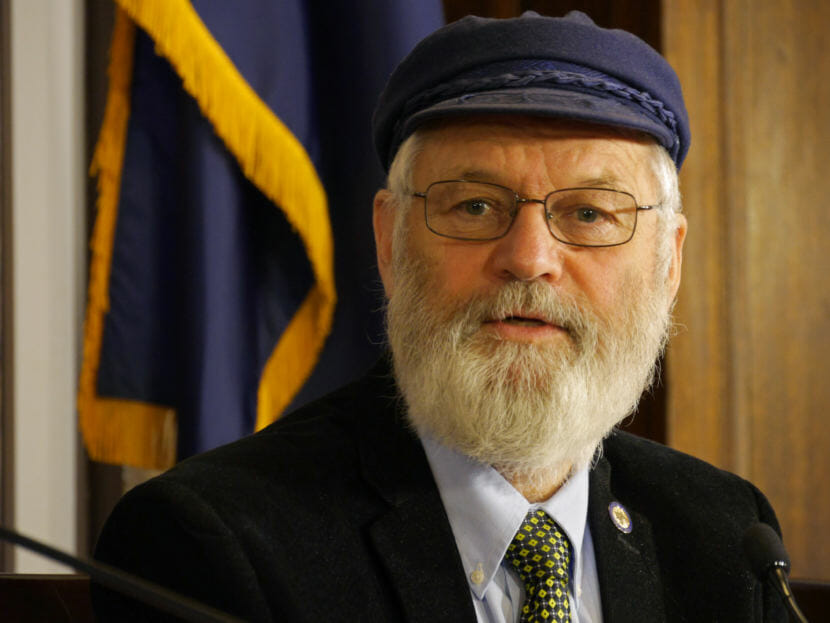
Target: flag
235	175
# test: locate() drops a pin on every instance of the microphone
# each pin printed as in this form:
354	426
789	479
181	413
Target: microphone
769	560
125	583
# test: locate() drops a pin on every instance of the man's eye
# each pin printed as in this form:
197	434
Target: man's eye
474	207
590	215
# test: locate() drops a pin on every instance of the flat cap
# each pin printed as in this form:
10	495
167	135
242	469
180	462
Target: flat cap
563	67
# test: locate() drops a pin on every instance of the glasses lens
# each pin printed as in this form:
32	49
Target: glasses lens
469	210
592	216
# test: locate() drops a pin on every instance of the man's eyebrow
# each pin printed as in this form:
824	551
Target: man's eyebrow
484	175
476	175
605	181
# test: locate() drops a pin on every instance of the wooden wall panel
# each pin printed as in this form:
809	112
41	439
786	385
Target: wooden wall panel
698	358
748	384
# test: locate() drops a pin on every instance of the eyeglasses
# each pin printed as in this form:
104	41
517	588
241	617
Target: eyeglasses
583	217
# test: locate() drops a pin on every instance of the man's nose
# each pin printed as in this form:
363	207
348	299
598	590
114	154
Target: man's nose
528	251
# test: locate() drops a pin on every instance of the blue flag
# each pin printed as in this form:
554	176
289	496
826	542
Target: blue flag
236	174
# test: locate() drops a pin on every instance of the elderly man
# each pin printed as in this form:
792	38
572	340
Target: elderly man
530	242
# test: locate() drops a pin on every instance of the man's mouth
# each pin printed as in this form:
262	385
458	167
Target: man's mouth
523	321
523	326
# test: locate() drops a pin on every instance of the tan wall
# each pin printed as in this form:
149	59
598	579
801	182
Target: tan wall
748	383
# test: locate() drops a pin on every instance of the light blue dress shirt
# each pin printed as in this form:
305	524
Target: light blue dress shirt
485	512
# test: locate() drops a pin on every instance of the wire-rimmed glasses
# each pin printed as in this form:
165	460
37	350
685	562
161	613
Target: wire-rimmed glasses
585	217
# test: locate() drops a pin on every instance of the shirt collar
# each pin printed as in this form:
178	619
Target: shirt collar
485	511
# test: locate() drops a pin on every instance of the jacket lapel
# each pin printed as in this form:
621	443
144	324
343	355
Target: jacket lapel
413	538
627	565
420	555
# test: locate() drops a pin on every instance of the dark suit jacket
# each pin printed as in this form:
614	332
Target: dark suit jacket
332	514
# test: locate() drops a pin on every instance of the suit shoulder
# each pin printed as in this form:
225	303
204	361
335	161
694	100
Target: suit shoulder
637	453
317	436
649	470
256	508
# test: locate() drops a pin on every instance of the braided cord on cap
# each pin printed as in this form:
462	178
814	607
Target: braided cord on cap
470	86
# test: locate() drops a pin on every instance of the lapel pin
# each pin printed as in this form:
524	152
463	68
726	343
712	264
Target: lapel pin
620	517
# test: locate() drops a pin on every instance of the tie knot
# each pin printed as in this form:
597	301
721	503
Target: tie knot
540	553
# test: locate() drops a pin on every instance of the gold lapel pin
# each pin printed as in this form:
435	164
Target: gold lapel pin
620	517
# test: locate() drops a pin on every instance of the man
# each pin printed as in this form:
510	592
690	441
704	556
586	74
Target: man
530	244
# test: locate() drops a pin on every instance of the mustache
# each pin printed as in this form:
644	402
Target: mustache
535	300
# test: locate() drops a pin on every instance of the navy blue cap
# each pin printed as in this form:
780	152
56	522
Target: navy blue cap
560	67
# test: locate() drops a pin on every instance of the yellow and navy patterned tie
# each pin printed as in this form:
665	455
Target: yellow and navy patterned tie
540	553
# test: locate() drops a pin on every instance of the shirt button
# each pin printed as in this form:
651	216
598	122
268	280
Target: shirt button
579	591
477	576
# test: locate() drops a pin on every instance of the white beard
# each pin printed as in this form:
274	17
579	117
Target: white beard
529	410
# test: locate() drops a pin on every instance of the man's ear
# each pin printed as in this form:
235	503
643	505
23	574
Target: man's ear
383	220
673	278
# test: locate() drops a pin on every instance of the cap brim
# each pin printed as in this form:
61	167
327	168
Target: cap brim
547	102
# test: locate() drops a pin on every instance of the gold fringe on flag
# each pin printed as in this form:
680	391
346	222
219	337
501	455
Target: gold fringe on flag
275	162
115	431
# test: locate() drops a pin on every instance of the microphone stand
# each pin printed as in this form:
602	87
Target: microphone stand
126	584
782	585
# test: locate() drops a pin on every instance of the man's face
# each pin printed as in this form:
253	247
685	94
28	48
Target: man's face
524	351
533	158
